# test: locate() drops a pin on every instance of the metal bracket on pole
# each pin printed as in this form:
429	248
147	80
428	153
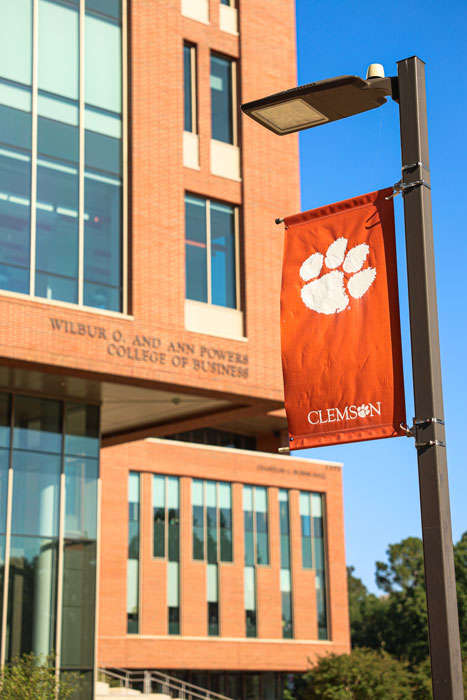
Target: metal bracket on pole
423	423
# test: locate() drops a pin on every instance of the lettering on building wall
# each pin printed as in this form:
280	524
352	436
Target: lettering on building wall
152	350
294	471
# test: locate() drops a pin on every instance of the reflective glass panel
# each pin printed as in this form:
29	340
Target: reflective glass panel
5	407
58	49
57	140
173	509
211	518
158	496
103	57
16	40
15	121
37	424
112	8
196	251
36	494
223	255
225	521
173	597
188	51
262	539
102	242
79	597
32	589
15	178
82	430
57	232
221	99
198	518
4	464
103	152
81	498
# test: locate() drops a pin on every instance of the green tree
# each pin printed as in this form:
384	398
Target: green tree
368	614
33	678
362	675
460	562
402	578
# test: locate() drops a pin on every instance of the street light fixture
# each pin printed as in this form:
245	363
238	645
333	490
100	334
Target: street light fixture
318	103
337	98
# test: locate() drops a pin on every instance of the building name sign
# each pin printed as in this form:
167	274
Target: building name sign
294	471
152	350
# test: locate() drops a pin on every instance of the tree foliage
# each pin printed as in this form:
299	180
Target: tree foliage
33	678
362	675
397	620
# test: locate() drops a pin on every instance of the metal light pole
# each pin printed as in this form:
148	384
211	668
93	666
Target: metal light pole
337	98
443	624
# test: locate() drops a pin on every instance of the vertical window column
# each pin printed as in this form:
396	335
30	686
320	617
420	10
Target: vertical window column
285	573
320	563
212	524
255	519
173	567
211	240
225	153
190	126
133	553
61	230
313	551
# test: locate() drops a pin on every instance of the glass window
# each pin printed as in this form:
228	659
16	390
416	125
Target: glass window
58	49
305	517
197	497
16	40
103	74
57	268
261	508
82	430
36	490
213	600
4	464
210	239
5	420
37	424
158	495
57	232
81	498
102	242
15	182
285	573
223	255
173	508
225	516
196	246
248	525
133	554
173	597
189	87
211	520
78	608
32	590
221	100
250	600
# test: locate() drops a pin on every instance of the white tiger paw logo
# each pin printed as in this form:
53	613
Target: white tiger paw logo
328	294
363	410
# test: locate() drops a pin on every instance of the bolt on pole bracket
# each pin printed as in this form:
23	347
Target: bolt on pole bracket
423	423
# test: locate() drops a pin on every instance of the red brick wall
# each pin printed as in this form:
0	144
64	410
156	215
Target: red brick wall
193	649
269	188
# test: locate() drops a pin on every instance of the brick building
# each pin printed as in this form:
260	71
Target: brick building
141	401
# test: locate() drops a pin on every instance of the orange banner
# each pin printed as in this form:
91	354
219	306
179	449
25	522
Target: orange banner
340	329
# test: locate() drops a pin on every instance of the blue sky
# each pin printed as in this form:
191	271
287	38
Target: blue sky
362	154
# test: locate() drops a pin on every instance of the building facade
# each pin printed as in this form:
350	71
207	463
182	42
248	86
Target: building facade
147	521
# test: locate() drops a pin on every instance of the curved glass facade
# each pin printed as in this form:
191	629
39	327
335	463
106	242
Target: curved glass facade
49	470
61	151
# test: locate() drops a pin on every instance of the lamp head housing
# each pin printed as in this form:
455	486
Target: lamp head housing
318	103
